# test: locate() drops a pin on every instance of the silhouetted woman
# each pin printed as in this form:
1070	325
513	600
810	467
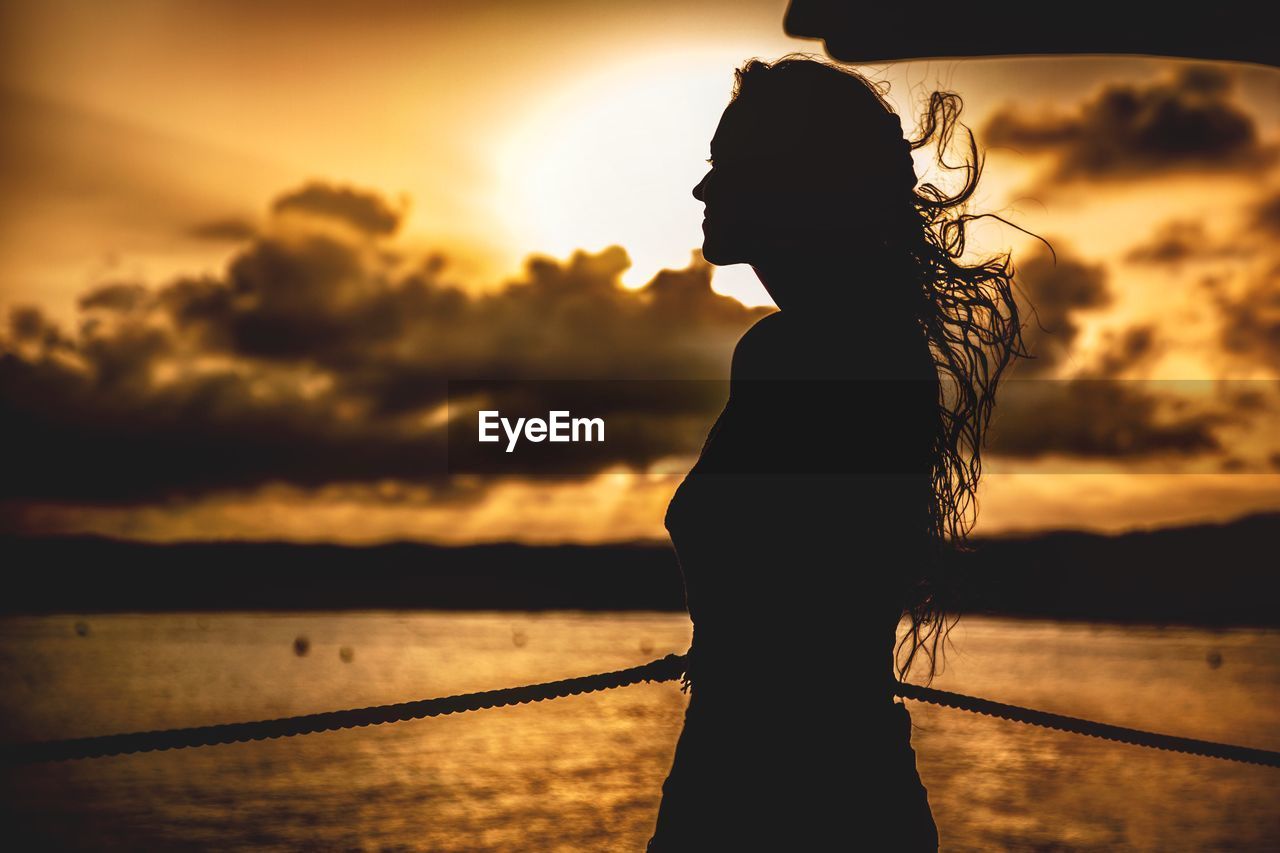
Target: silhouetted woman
842	467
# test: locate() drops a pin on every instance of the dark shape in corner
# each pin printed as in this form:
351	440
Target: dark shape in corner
866	32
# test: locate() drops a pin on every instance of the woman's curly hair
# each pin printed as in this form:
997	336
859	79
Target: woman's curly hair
967	310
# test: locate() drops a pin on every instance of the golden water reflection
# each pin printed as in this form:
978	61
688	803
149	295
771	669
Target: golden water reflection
584	773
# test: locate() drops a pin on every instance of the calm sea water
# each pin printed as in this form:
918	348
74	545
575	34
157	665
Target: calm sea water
585	773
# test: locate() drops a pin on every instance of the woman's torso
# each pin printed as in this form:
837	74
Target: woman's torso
798	527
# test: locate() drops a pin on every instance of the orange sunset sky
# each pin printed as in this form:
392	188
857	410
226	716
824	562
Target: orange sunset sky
241	239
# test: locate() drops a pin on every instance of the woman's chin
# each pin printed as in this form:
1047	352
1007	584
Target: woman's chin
717	254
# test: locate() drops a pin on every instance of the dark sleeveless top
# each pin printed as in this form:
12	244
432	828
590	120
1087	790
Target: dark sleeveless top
808	504
796	532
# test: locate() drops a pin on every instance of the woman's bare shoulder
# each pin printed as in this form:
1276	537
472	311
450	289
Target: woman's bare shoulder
766	349
782	347
762	331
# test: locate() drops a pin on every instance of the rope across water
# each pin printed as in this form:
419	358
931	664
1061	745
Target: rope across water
668	668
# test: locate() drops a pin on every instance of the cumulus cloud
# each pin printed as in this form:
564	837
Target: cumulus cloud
1062	403
1101	412
114	297
364	211
1251	319
1099	419
1058	290
1266	215
1179	241
29	327
1188	121
229	230
1125	351
318	357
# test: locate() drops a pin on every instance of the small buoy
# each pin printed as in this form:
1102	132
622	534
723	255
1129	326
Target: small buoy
519	638
1214	659
301	645
82	629
646	646
347	654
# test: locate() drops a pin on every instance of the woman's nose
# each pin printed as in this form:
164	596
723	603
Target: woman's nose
699	192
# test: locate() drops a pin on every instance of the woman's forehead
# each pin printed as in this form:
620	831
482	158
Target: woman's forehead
728	130
741	123
753	126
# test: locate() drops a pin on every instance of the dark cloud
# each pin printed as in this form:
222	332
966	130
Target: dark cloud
28	325
1180	241
113	437
1184	240
115	298
320	358
1190	121
1173	243
1103	419
1266	215
1096	413
1057	290
1251	319
1251	398
1125	351
366	212
230	230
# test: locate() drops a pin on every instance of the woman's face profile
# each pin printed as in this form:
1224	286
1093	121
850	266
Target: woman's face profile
762	194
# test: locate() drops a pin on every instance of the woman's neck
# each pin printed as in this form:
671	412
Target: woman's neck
831	283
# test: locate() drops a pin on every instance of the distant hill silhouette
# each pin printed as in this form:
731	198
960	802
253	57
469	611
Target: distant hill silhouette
1201	574
1204	574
